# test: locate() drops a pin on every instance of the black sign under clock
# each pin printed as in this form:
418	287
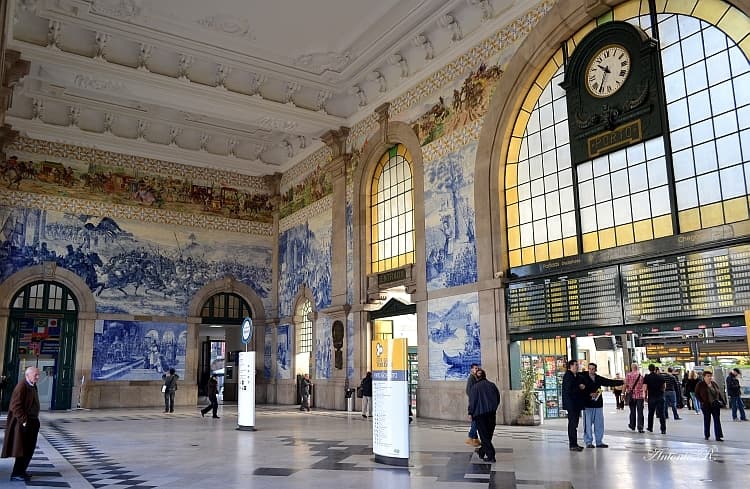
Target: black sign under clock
613	91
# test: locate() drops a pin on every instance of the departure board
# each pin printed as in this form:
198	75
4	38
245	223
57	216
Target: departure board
697	285
582	299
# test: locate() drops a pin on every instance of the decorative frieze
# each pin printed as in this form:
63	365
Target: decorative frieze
323	205
453	142
309	164
69	205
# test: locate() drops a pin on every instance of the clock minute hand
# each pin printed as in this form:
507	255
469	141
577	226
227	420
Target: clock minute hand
605	69
601	85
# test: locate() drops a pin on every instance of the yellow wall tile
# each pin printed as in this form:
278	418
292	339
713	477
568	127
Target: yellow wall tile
514	258
627	10
712	215
511	196
624	234
514	148
521	123
735	24
555	249
558	57
681	6
527	255
541	252
735	209
643	230
531	98
660	6
578	36
690	220
590	242
514	238
570	246
607	238
512	213
710	10
745	46
511	175
663	226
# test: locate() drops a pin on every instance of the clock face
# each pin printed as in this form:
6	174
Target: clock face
607	71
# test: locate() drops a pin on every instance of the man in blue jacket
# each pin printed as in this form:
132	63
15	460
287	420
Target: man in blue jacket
573	391
484	399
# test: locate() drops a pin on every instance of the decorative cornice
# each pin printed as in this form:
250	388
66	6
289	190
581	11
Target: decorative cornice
320	62
226	24
302	216
150	165
145	214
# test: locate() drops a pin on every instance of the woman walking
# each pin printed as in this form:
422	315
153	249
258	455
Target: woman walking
693	402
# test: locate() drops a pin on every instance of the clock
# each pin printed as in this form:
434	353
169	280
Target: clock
613	90
607	71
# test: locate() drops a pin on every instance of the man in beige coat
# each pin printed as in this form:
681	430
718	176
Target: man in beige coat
22	426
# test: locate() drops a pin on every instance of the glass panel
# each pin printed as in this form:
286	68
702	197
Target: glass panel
567	202
588	219
527	235
637	177
586	193
604	215
683	164
568	224
732	182
71	305
692	48
602	188
540	231
622	210
729	152
725	124
705	158
699	106
695	78
660	201
552	203
554	228
687	194
18	303
677	113
636	154
708	188
639	203
620	185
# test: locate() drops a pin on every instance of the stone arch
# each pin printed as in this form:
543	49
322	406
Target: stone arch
379	143
230	285
49	272
559	24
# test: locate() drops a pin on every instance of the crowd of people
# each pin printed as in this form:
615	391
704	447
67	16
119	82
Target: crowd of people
658	392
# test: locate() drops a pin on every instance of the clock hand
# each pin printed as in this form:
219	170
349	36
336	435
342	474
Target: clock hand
601	85
605	69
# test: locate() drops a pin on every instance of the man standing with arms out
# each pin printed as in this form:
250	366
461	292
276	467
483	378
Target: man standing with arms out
653	391
473	439
483	402
573	390
672	387
734	392
593	414
634	387
305	390
22	425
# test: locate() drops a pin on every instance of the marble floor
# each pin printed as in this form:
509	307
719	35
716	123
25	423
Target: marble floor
142	449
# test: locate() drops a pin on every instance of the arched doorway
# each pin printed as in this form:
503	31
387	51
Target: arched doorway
219	312
42	332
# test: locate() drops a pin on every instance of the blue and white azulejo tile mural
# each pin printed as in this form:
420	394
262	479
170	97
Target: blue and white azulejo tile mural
349	253
130	266
267	353
323	348
305	258
136	350
453	335
349	347
283	352
450	246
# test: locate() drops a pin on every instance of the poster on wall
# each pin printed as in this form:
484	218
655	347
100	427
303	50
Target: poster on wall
391	403
137	350
267	349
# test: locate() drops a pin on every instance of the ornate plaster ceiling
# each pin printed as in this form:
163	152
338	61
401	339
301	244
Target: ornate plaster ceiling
244	85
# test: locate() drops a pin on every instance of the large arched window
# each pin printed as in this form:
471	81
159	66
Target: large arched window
304	326
392	211
45	297
225	308
623	197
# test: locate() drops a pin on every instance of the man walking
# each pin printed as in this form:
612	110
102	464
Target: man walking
484	399
734	392
305	391
473	438
22	425
213	393
593	414
634	391
671	389
653	390
367	395
573	390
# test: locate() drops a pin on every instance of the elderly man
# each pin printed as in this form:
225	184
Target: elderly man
22	426
484	400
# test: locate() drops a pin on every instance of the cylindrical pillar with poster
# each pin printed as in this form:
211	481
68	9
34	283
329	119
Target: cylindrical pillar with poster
390	402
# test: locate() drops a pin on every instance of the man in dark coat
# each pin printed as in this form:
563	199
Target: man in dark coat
22	426
213	393
573	392
367	395
484	399
473	438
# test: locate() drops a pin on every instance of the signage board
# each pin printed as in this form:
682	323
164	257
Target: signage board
390	396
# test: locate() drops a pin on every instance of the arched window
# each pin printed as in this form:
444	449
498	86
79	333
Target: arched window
45	296
225	308
304	327
392	211
623	197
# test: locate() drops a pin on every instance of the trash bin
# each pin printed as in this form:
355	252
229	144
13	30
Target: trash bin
350	400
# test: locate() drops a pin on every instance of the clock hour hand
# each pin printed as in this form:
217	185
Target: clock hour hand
605	69
601	85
